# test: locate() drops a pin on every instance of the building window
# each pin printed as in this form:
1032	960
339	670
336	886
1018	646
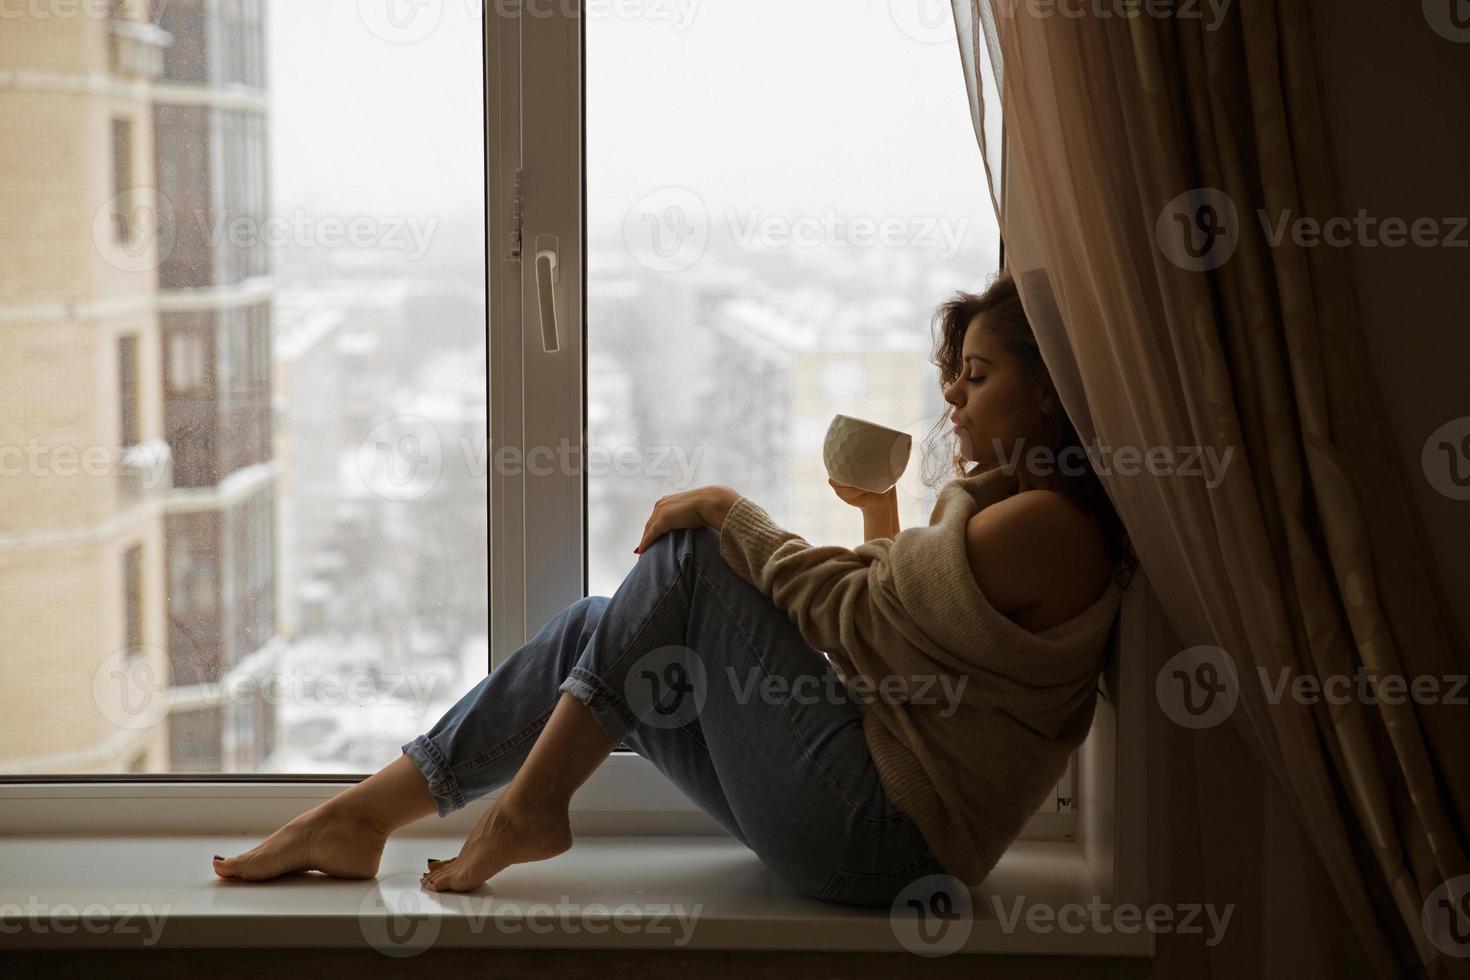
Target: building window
127	390
186	361
122	179
133	630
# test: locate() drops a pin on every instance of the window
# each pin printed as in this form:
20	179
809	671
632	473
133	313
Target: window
127	390
781	233
767	219
133	598
122	179
276	247
186	361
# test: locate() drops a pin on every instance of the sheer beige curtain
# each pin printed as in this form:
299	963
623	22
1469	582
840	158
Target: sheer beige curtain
1267	504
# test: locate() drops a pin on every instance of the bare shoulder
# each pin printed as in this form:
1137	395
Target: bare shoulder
1037	557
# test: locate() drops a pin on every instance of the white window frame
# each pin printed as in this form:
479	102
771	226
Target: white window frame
535	198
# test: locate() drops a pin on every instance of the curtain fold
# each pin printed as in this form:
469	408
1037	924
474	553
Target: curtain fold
1146	161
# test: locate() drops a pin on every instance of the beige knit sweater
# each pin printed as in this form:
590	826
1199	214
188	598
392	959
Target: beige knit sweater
980	715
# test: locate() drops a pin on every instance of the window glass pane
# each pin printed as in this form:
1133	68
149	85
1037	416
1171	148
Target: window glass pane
778	196
242	382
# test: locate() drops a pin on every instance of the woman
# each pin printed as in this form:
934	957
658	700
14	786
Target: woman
963	664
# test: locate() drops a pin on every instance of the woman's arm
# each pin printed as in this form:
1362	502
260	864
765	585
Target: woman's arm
881	519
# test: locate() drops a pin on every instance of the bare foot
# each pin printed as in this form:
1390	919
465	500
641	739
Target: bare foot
507	833
326	838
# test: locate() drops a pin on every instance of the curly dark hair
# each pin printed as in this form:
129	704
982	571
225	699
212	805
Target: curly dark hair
1003	317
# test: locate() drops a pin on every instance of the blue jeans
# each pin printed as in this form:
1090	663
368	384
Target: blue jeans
695	670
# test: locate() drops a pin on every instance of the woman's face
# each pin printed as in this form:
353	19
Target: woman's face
994	405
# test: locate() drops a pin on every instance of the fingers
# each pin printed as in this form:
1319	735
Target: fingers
651	531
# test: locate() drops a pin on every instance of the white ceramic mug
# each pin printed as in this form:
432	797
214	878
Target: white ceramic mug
865	454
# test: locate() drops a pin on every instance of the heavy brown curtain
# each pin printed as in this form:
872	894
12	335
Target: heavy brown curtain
1146	161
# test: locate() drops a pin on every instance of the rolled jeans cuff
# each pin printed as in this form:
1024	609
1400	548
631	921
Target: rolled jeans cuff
612	712
443	787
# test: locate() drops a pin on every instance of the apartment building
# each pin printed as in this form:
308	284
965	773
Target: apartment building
136	525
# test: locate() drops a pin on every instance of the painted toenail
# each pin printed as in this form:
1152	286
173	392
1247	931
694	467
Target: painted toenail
218	858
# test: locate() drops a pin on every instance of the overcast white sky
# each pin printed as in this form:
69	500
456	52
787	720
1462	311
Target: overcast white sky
787	105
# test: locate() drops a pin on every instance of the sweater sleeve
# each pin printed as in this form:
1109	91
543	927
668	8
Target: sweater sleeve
843	600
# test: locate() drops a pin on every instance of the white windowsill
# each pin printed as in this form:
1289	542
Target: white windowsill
626	795
730	898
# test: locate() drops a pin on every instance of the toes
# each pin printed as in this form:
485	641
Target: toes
437	872
445	878
227	867
446	882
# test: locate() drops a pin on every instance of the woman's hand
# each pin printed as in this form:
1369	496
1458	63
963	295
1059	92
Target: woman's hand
880	510
865	500
700	507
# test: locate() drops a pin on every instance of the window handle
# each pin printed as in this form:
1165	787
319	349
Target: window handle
547	275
